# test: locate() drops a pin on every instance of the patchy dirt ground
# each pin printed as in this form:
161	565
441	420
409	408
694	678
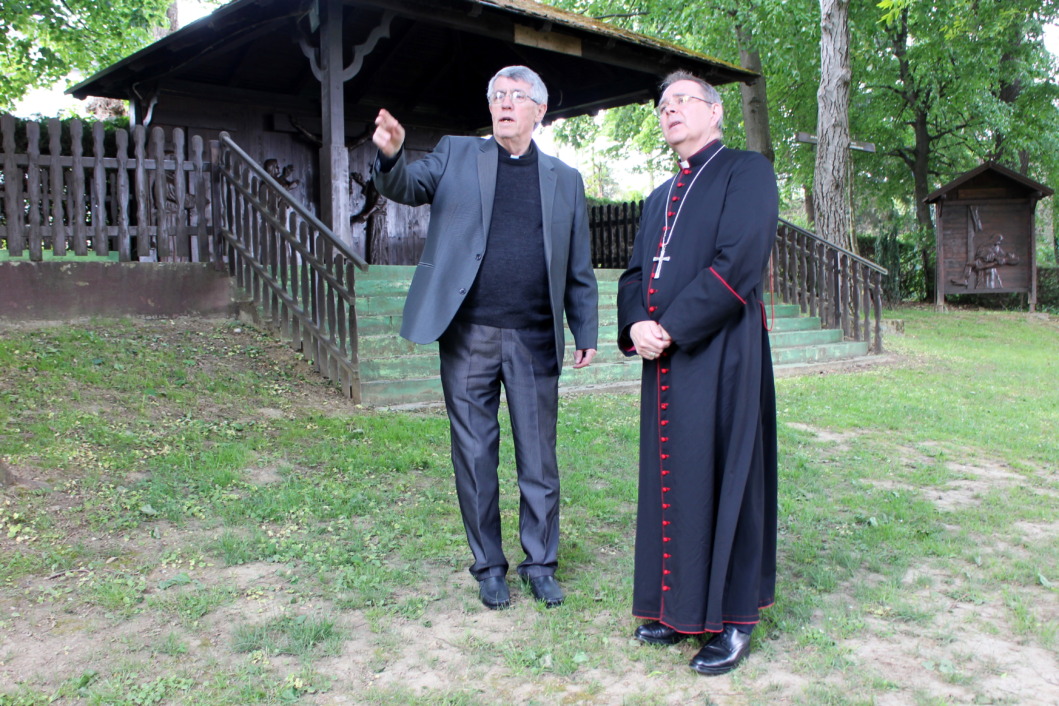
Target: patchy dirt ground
961	646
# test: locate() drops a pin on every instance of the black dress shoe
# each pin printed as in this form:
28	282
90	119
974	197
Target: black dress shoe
546	590
722	653
493	592
655	633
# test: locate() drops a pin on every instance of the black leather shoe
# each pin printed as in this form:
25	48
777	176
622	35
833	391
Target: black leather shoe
722	653
493	592
546	590
655	633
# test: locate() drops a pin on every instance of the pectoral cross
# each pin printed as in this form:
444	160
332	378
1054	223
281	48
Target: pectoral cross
662	257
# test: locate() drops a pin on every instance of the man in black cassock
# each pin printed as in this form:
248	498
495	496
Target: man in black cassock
690	305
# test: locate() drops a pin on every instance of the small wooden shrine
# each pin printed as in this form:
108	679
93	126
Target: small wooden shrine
984	221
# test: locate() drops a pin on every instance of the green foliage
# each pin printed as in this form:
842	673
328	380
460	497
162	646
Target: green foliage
43	41
1048	289
938	87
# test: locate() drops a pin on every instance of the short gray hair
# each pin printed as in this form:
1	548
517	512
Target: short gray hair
709	92
538	91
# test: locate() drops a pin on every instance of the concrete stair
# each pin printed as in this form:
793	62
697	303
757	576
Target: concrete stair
394	371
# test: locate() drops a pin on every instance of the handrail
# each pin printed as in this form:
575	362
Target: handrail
299	274
857	258
840	287
298	207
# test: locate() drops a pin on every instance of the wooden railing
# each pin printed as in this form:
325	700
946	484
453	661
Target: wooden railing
149	203
840	287
613	229
298	272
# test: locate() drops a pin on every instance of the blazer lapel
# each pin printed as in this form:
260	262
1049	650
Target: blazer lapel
487	182
548	180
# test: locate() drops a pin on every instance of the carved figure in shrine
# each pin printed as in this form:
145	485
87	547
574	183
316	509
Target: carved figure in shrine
988	257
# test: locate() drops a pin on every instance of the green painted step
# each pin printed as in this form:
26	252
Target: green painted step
421	390
819	353
394	371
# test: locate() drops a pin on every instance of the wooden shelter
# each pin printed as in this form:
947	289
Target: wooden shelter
298	83
986	244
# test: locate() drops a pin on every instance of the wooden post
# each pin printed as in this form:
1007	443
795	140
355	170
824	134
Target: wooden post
334	158
13	201
33	191
100	240
124	236
143	234
1031	216
939	265
55	172
77	188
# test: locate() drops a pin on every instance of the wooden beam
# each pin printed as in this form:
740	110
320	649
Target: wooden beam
334	157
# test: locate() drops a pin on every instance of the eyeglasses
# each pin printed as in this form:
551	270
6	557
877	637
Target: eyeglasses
678	99
517	97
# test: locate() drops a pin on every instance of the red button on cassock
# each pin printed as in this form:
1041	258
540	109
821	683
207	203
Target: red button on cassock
664	439
664	370
665	405
666	506
687	171
667	556
665	588
666	523
652	309
664	456
665	539
671	213
665	473
676	198
665	490
665	387
664	422
666	572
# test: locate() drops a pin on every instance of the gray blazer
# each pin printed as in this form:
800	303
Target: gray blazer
458	179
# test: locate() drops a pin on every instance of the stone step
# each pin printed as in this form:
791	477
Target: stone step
423	363
428	389
408	389
391	303
396	372
373	329
819	353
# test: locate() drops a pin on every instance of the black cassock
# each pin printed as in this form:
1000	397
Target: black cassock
706	516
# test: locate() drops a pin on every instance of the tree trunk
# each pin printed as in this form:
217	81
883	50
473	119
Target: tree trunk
810	212
831	178
172	14
755	99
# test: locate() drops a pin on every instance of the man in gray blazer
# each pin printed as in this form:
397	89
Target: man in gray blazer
507	253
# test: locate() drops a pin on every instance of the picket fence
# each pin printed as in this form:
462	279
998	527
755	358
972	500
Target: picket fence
148	199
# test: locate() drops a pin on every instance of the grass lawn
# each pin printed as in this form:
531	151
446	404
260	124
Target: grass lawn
189	515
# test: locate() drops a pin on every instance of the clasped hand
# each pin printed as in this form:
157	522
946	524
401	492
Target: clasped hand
650	339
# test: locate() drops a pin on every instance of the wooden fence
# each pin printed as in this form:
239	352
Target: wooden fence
152	199
613	228
148	199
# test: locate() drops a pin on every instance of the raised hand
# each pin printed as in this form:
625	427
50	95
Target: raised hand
389	134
